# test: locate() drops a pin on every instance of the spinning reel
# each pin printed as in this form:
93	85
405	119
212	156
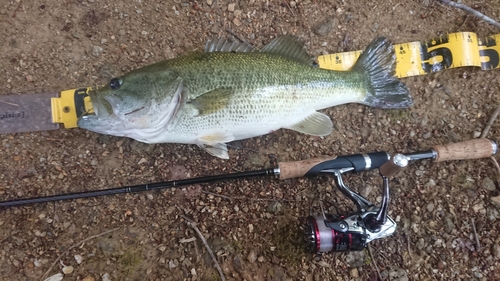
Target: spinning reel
337	233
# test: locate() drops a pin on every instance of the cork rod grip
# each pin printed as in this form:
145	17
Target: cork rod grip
298	169
471	149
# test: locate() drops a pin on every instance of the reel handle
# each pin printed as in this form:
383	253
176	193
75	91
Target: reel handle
470	149
397	163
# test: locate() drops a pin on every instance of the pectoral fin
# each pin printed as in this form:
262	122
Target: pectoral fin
316	124
212	101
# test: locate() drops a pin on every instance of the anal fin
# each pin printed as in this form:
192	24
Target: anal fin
316	124
217	150
215	143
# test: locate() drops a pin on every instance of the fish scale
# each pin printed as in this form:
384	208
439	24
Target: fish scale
212	98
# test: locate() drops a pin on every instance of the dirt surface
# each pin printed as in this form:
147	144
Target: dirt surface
253	226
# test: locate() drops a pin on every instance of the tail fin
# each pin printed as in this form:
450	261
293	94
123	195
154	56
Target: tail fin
378	63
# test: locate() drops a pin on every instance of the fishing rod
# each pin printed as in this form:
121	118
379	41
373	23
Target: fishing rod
473	149
328	232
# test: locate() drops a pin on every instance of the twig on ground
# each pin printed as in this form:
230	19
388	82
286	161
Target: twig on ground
374	262
471	11
192	224
490	122
237	37
74	246
478	245
463	23
485	132
244	198
497	166
409	245
289	7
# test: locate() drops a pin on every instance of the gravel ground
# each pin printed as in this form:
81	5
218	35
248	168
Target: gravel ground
447	213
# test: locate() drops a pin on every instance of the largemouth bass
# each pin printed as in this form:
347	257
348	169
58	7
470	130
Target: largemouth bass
232	91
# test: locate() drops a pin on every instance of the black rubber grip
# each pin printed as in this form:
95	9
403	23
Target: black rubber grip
356	161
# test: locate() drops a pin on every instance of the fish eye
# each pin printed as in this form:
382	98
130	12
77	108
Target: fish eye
115	83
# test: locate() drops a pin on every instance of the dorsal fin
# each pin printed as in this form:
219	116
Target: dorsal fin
290	47
227	46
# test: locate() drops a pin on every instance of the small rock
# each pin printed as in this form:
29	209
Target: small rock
398	273
237	13
97	51
261	259
238	264
29	78
448	224
492	214
479	208
55	277
274	207
476	134
323	264
354	273
140	146
496	200
275	260
488	184
252	256
88	278
209	2
430	207
230	7
237	22
277	274
366	190
496	251
78	259
355	259
26	173
106	277
293	4
324	27
67	269
106	72
193	271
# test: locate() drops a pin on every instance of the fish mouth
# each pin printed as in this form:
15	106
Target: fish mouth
102	107
110	125
103	119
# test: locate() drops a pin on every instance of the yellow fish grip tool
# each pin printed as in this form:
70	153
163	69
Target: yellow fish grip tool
70	105
418	58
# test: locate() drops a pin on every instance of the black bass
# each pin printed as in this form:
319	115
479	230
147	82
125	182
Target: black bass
232	91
